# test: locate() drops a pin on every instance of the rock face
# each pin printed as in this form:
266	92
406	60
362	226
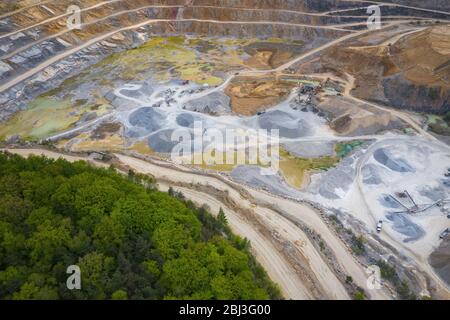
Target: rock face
288	126
35	35
442	5
406	95
310	149
413	73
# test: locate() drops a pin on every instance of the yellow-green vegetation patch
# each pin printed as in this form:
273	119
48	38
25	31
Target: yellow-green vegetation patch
210	165
45	116
439	124
294	168
177	40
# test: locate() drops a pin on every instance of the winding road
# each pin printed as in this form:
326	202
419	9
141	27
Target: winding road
419	259
281	264
268	221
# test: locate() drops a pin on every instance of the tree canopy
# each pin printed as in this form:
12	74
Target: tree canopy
129	240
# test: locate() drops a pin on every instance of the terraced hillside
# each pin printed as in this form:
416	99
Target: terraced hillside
36	44
352	105
412	73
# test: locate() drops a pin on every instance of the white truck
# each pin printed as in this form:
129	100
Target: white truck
379	225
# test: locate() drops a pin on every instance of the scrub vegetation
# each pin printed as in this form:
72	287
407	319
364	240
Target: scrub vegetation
129	240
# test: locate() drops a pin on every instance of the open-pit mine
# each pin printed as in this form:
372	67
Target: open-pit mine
358	206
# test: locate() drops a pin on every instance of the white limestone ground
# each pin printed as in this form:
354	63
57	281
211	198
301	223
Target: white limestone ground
156	112
393	163
361	185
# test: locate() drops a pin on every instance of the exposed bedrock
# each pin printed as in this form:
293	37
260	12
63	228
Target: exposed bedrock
17	97
58	7
411	74
236	14
442	5
259	30
252	176
403	94
35	53
123	10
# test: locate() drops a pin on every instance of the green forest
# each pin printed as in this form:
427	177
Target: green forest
129	240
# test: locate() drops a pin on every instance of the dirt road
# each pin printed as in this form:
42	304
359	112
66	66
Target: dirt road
419	255
390	4
278	269
67	53
313	279
318	269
